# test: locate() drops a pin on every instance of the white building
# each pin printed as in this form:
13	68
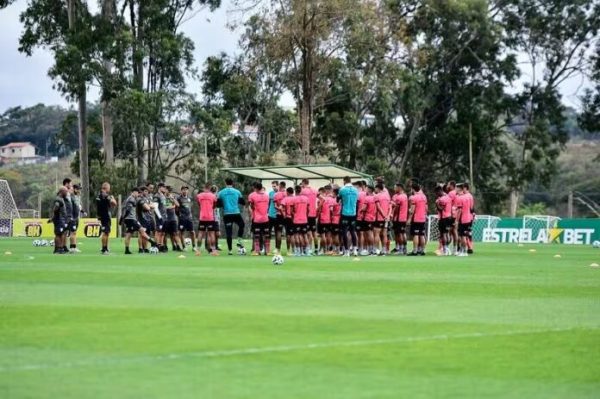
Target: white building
17	151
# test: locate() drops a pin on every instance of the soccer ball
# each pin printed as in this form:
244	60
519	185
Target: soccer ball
596	244
187	242
153	250
242	251
44	243
37	243
277	260
51	243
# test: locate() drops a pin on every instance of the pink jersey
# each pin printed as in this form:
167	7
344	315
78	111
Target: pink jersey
288	204
300	209
260	207
311	194
466	205
383	199
419	201
371	213
453	198
362	195
326	210
336	214
278	198
444	206
401	210
206	203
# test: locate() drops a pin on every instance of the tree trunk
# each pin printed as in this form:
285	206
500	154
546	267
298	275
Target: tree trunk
514	203
411	139
108	13
83	151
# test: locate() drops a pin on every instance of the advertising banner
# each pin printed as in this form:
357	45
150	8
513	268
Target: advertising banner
39	228
564	231
5	228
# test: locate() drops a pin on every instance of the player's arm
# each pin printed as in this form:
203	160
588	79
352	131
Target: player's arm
458	213
411	211
112	201
379	208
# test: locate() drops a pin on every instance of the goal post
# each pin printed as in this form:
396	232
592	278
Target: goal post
537	223
8	209
480	225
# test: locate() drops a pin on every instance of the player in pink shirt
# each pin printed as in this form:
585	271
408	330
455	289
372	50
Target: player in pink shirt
361	207
399	216
311	194
418	218
286	208
300	219
451	190
369	217
258	203
443	204
336	217
382	203
465	216
207	202
324	210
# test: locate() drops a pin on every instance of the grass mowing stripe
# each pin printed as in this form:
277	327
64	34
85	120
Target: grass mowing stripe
275	349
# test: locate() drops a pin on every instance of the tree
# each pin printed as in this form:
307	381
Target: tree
590	115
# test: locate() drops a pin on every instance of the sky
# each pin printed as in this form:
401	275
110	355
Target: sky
24	80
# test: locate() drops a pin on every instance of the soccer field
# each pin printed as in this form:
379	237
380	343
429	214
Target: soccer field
506	322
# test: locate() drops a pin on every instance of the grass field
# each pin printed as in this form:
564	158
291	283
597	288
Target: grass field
504	323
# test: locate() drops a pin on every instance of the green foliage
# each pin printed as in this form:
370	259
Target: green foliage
537	208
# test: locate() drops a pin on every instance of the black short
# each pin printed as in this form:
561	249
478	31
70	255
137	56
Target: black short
60	228
131	226
312	224
417	229
73	225
170	227
160	225
348	221
444	225
379	224
263	229
149	225
289	227
206	226
301	228
334	228
452	221
186	225
277	223
465	229
363	225
399	227
105	226
323	228
233	218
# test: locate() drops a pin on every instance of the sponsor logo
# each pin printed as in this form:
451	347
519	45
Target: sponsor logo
92	229
33	229
543	236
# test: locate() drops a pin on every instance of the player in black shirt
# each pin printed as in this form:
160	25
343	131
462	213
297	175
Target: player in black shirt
184	211
129	218
104	203
59	218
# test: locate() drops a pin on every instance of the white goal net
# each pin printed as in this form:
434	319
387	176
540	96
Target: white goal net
8	209
481	224
537	224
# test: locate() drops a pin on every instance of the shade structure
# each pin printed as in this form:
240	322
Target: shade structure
321	172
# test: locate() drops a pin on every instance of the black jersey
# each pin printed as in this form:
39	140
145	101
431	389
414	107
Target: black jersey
103	205
59	215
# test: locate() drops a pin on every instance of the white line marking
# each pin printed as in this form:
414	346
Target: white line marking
271	349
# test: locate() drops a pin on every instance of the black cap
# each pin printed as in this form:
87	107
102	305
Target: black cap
77	186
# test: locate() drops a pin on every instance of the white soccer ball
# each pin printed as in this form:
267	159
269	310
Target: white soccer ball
51	243
44	243
596	244
187	241
153	250
277	260
242	251
37	243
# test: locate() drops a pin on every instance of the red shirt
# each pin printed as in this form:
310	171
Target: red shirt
206	203
326	210
311	194
288	203
444	206
337	212
452	195
277	198
466	203
260	207
361	202
371	213
401	210
419	201
383	199
300	209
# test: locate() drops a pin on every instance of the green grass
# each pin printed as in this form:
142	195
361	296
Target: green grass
504	323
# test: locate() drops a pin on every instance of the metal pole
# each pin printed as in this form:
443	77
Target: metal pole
205	158
39	205
471	157
570	205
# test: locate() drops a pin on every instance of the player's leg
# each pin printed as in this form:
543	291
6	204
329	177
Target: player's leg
239	220
266	234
